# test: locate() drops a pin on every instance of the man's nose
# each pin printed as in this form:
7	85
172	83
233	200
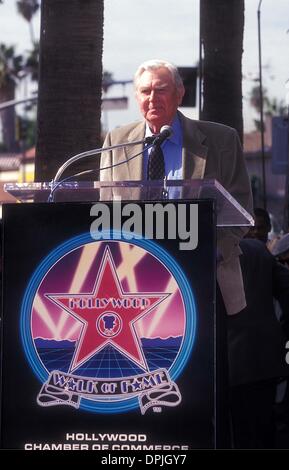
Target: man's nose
152	95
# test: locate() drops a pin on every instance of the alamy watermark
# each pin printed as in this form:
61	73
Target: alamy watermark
151	221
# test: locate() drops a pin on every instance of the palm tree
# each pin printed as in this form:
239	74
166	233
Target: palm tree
11	71
28	8
271	106
222	26
32	62
69	99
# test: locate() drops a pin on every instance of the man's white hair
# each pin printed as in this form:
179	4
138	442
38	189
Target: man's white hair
155	64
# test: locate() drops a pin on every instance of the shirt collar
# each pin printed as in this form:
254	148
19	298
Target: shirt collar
176	137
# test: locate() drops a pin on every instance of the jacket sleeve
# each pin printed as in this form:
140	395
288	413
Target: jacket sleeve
105	172
234	177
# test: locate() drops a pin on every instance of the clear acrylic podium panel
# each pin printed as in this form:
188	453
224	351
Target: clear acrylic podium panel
229	211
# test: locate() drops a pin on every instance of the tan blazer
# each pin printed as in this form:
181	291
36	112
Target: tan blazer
210	150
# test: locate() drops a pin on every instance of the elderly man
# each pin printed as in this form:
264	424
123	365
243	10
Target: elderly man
196	149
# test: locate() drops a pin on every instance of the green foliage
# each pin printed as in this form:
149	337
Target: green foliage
11	65
270	105
14	67
32	62
27	8
25	131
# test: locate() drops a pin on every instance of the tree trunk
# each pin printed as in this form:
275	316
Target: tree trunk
222	26
7	93
69	102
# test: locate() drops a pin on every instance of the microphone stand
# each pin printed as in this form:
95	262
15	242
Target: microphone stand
88	153
150	141
56	182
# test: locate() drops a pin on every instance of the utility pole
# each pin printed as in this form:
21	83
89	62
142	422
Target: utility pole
261	109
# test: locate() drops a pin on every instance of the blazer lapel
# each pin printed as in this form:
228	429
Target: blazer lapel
135	166
194	152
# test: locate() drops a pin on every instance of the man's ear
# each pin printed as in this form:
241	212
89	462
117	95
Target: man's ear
181	92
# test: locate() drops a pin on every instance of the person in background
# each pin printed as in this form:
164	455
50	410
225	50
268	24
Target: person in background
262	227
280	249
256	347
256	341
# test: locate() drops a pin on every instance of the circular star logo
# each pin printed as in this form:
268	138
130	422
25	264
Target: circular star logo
105	320
109	324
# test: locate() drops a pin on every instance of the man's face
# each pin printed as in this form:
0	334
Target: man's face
158	97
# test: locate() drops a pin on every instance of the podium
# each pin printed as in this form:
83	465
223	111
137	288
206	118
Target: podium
109	322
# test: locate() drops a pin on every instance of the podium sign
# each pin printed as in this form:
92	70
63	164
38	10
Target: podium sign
108	337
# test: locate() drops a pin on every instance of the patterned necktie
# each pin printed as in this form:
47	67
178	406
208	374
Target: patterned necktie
156	163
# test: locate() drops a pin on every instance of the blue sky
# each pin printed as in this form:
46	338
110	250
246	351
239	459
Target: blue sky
136	30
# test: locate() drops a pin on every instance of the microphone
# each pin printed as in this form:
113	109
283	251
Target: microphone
165	133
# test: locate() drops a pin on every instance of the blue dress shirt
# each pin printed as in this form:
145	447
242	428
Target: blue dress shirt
172	150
